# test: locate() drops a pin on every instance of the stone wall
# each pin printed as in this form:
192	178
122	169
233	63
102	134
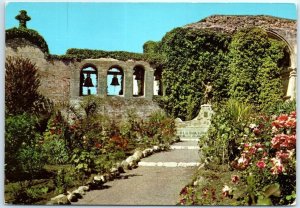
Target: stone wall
54	76
60	81
102	65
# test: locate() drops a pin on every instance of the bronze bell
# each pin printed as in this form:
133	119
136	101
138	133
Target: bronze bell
114	81
88	81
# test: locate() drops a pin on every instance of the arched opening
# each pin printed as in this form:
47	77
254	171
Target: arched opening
138	81
115	81
88	81
284	63
158	85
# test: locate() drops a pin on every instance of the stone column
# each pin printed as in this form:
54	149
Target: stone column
102	81
291	91
128	82
148	85
75	82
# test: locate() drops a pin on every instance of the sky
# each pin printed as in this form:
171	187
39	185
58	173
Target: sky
123	26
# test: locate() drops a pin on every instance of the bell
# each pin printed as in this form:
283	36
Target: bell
88	81
114	81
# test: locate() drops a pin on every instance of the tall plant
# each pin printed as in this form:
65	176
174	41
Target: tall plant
21	85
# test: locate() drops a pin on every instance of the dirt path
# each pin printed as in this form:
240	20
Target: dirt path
157	181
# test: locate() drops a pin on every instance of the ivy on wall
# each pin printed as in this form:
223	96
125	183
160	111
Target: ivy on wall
193	58
245	66
31	35
254	68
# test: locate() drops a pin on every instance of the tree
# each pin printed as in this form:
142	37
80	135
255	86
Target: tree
21	85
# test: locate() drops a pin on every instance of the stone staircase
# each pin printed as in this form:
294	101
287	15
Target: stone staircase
181	154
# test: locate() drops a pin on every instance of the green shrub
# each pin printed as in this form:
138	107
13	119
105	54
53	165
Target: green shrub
55	151
20	131
227	130
31	159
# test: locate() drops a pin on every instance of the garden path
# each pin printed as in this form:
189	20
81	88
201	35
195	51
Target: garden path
157	181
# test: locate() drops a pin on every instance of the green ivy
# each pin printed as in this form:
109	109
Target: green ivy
79	54
254	71
193	58
31	35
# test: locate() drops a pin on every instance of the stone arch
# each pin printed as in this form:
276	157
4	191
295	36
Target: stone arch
157	82
290	51
289	65
88	80
115	81
138	78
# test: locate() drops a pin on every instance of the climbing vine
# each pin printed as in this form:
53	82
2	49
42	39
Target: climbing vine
31	35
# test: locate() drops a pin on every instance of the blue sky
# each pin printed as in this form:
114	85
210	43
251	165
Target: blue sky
124	26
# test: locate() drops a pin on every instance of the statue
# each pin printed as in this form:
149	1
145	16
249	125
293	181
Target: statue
207	92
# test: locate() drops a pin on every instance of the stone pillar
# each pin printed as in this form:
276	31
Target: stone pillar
128	82
102	81
148	85
291	91
75	82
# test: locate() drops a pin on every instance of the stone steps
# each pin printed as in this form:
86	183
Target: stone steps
182	139
169	164
173	147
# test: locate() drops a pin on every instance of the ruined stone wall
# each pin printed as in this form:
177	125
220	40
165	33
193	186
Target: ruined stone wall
54	76
60	80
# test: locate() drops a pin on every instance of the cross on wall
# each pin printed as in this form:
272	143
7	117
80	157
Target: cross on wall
23	19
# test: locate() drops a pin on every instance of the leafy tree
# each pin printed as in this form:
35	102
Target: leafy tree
21	85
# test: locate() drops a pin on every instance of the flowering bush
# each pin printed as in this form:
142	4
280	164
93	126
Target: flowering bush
259	148
272	158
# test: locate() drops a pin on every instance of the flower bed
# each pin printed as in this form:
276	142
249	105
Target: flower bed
260	156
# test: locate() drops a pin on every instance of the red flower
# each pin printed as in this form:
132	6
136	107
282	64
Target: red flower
282	117
256	131
98	145
283	155
261	164
235	179
293	114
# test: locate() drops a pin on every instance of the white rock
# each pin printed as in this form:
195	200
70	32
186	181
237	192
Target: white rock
84	188
60	199
145	153
125	165
72	197
79	191
120	168
138	154
99	179
156	148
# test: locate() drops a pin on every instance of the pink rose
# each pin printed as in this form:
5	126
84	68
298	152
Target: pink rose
261	164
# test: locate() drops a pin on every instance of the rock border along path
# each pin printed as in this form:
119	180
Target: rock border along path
158	179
